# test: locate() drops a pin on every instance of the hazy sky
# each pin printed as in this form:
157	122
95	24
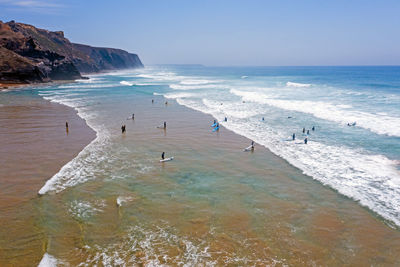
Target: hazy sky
227	32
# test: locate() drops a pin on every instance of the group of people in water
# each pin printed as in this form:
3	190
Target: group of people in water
216	128
304	131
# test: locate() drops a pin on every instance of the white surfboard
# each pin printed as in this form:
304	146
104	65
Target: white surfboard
249	148
167	159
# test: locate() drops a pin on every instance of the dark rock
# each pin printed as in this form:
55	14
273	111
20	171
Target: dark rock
29	54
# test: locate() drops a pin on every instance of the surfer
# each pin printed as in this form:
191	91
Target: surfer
163	155
165	125
215	122
304	130
252	145
313	128
305	141
217	127
293	136
133	116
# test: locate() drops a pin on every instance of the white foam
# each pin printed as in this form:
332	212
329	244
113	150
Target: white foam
197	81
81	168
178	95
123	199
89	86
151	246
126	83
48	261
192	87
292	84
83	210
377	123
371	179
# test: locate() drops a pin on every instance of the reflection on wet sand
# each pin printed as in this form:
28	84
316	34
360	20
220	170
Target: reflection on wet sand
213	204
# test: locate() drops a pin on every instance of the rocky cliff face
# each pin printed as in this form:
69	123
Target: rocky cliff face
106	59
29	54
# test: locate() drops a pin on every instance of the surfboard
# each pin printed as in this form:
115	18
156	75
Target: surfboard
216	129
215	124
167	159
249	148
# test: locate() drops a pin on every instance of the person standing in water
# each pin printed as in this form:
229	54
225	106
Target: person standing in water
66	126
304	130
133	116
163	155
262	118
293	136
305	141
226	119
123	128
165	125
166	102
313	128
152	101
308	132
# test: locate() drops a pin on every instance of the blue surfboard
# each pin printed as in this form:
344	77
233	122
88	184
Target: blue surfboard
215	124
216	129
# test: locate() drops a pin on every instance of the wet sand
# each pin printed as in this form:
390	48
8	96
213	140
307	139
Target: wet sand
235	208
34	145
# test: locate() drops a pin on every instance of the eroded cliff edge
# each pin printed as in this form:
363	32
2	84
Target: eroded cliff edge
31	55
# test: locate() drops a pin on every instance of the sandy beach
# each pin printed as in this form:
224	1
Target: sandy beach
34	146
212	203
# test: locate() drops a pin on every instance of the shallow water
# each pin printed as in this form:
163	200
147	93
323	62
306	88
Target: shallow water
213	204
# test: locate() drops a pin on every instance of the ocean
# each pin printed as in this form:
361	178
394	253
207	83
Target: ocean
179	212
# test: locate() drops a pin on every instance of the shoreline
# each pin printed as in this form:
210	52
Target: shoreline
261	195
36	146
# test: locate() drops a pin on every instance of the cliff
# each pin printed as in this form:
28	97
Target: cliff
29	54
106	59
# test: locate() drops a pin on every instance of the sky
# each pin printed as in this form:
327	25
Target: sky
226	32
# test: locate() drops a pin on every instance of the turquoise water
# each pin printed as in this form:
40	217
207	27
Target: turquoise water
361	162
205	184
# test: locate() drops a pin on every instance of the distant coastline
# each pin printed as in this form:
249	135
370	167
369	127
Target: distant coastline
29	55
